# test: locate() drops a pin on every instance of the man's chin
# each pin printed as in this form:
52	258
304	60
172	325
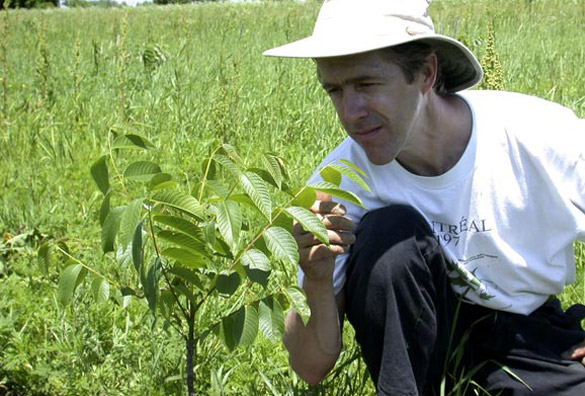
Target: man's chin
379	160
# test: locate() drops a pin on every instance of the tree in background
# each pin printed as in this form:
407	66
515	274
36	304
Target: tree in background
31	3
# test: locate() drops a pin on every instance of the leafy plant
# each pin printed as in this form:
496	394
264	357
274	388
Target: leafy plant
215	263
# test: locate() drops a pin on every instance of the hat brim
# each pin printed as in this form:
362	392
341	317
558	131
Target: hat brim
461	69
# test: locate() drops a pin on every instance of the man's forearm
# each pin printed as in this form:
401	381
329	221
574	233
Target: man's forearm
314	348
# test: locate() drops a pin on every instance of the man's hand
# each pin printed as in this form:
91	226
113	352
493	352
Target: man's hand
317	259
577	352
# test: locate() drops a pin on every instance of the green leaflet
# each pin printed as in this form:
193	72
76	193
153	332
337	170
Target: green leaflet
180	201
181	225
45	257
271	318
255	259
217	188
272	166
257	190
298	300
105	208
150	283
100	289
185	257
256	265
70	278
239	328
227	164
352	166
282	244
161	181
187	293
332	189
306	197
132	141
129	221
195	246
331	175
142	171
342	168
229	222
137	249
227	283
110	228
310	222
187	275
231	152
99	172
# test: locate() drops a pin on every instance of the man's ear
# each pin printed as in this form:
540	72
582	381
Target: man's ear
429	73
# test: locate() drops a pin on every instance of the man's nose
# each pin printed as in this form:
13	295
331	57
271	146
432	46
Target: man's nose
354	108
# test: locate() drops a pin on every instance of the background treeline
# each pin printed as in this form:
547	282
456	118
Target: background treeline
84	3
187	77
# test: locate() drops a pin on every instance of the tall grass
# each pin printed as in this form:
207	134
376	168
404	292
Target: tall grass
189	75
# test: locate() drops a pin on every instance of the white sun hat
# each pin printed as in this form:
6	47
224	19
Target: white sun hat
348	27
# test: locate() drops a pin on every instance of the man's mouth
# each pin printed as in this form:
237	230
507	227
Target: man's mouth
366	134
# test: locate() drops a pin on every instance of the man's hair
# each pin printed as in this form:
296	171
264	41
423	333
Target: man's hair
411	58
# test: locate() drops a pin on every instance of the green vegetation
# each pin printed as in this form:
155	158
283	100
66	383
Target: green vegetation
186	78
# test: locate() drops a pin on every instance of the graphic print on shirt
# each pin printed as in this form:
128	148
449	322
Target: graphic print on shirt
449	236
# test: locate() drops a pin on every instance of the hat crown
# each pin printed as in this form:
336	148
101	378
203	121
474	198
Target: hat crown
378	17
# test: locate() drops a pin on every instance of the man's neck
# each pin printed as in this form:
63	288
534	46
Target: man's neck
441	138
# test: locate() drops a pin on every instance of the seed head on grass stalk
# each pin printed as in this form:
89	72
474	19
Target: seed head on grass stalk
4	60
43	68
493	71
122	64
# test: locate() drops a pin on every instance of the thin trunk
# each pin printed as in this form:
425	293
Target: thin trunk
191	353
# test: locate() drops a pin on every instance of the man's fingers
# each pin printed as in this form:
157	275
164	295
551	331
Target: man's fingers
331	222
321	252
336	238
321	196
328	207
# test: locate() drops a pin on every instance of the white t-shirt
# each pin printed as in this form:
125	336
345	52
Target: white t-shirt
507	213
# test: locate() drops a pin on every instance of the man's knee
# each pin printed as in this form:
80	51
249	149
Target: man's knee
385	228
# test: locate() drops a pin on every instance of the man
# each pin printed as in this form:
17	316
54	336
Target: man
477	198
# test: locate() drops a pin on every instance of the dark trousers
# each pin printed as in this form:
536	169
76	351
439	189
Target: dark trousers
415	332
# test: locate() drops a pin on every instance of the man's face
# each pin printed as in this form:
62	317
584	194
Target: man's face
374	102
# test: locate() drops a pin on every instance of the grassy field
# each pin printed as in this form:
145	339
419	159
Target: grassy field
187	77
